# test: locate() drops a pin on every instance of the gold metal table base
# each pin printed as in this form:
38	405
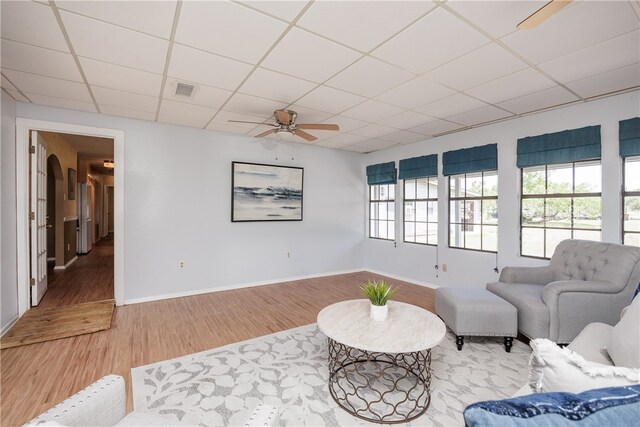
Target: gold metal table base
386	388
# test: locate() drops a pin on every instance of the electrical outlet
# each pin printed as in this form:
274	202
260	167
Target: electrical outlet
288	254
181	264
445	268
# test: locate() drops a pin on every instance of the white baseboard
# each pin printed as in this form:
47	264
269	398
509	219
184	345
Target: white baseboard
232	287
8	326
404	279
63	267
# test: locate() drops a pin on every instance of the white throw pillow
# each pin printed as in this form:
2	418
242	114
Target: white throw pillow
553	368
624	343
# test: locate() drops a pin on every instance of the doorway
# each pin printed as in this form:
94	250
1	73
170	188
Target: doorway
23	130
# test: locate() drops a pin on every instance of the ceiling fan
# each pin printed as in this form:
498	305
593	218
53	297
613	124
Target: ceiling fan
286	123
542	14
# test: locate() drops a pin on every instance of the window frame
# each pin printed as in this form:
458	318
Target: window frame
625	194
378	202
415	200
573	195
464	199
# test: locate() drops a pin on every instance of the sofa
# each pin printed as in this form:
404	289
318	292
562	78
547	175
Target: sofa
104	403
585	282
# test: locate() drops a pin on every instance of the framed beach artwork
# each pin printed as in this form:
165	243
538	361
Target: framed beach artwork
265	192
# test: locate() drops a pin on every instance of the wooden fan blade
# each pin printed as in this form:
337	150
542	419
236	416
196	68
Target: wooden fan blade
318	126
255	123
283	117
304	135
542	14
265	133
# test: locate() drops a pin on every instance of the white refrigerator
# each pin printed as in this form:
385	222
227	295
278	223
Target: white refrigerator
85	224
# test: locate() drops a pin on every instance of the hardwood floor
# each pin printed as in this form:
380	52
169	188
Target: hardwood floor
34	378
88	279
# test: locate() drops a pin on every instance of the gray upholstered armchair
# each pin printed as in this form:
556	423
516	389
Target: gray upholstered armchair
585	282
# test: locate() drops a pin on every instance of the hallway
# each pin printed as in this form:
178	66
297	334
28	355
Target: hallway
88	279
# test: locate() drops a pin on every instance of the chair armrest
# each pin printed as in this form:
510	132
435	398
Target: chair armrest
103	403
591	286
534	275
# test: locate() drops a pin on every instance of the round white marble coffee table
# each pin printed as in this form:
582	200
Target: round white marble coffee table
380	371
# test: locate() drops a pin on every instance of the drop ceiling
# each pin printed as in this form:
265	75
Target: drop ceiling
388	72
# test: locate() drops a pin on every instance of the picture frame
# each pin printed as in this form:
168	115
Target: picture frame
71	184
262	192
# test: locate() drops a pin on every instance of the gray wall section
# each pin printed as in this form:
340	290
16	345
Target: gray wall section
8	242
70	243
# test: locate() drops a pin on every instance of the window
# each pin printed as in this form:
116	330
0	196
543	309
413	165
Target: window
421	211
382	211
473	211
631	201
559	202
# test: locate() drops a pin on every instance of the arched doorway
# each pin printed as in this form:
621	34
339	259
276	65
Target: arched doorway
55	212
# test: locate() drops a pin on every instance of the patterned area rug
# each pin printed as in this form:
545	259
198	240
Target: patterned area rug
289	370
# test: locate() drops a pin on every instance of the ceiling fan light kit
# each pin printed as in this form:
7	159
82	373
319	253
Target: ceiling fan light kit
286	124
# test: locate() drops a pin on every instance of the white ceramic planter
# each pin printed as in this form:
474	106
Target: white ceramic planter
379	313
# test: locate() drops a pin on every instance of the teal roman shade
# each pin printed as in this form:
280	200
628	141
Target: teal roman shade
382	173
559	147
629	134
419	167
468	160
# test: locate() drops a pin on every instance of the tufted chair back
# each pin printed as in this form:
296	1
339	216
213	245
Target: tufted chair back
597	261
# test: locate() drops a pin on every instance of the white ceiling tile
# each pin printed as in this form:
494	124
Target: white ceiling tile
16	95
6	83
184	114
451	105
31	23
309	115
480	66
100	73
328	143
151	17
371	145
120	99
576	27
203	95
437	127
308	56
57	88
369	77
223	118
221	127
240	33
110	43
358	149
407	120
484	114
346	124
272	85
611	81
344	139
372	111
498	18
61	102
127	112
403	137
409	50
414	93
331	100
512	86
202	67
373	131
612	54
32	59
360	24
538	100
252	105
283	9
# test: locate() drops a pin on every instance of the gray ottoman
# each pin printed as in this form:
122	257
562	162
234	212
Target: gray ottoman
477	312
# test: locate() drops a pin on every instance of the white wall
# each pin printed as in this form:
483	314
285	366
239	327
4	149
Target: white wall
8	250
177	206
470	268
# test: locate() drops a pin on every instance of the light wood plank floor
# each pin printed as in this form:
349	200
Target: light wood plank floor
36	377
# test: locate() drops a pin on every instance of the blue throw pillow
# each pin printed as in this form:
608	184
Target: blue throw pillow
601	407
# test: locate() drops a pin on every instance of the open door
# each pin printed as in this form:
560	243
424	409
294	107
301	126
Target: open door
38	218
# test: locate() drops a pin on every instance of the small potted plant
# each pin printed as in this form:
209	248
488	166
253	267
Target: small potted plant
378	294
